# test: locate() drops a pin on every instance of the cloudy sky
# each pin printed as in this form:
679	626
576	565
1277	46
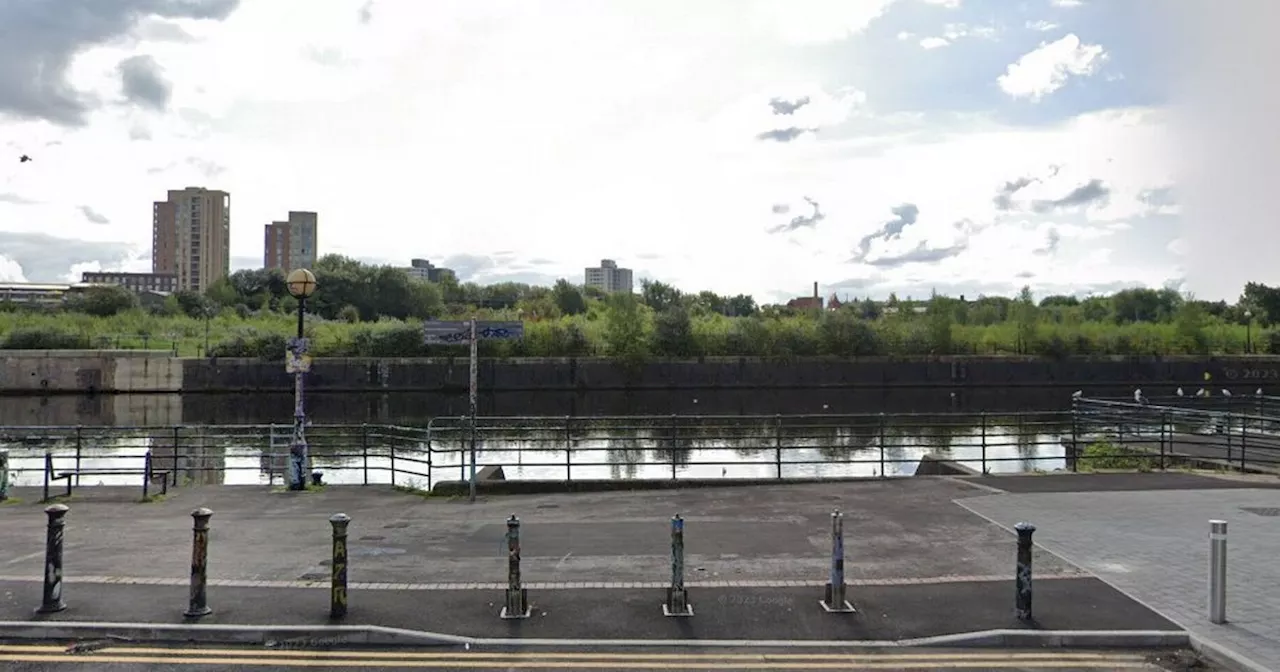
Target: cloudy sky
972	146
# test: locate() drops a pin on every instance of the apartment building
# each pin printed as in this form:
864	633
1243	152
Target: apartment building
292	243
191	237
135	282
421	269
608	277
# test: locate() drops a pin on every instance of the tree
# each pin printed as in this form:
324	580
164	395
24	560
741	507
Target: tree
658	295
624	332
103	301
568	298
673	333
1025	316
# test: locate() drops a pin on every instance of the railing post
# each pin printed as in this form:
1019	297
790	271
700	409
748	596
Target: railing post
1073	457
1243	441
675	442
834	601
1218	571
52	595
177	432
364	449
48	474
517	599
677	603
777	443
146	474
982	424
1164	433
198	604
393	459
882	428
338	567
1022	601
568	448
79	433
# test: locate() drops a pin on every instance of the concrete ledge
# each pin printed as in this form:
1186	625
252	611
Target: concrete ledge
458	488
936	465
332	635
1225	657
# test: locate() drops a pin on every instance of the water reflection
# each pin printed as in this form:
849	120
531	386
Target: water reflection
554	448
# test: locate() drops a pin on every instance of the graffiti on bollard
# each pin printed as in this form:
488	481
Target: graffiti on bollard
52	598
198	602
677	603
338	578
4	474
834	602
1022	604
517	598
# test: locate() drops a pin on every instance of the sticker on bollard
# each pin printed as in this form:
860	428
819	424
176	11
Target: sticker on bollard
338	579
517	598
198	604
677	603
1022	599
834	602
52	597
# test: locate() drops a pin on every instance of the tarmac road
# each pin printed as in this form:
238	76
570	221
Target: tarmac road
133	658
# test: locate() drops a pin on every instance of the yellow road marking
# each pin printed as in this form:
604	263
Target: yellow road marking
993	663
539	655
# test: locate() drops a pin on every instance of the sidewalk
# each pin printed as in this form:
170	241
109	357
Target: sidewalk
885	612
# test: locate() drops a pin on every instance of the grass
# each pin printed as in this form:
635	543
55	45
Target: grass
1106	456
153	498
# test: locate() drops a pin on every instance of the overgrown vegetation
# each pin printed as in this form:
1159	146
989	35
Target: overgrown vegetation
1106	456
372	311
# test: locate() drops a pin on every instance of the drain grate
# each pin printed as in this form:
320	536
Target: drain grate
313	576
1269	512
372	537
395	526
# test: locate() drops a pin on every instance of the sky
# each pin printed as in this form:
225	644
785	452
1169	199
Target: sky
741	146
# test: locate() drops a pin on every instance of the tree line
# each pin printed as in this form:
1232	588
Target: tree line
366	310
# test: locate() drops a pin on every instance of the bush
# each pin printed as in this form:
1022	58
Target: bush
1107	455
252	343
43	339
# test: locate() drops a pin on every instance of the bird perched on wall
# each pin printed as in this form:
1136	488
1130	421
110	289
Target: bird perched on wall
1258	392
1226	393
1137	396
1077	394
24	158
1179	391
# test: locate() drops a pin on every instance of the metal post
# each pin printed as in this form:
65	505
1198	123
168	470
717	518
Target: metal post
517	602
147	471
882	423
298	458
198	604
474	374
48	474
677	603
338	579
52	599
1218	571
777	443
835	602
1023	579
4	474
568	449
982	427
675	443
364	449
79	443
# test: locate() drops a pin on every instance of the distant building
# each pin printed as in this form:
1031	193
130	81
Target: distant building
292	243
421	269
191	237
37	293
165	283
807	302
608	277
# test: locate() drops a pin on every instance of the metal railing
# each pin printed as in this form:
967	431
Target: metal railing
1156	433
677	447
216	454
556	449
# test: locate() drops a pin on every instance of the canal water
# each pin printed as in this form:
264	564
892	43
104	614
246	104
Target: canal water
663	447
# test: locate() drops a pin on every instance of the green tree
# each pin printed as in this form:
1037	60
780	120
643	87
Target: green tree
568	298
103	301
625	328
673	333
658	295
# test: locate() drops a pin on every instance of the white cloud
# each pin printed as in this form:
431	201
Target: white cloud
1041	72
934	42
1042	26
577	131
949	4
10	270
1067	3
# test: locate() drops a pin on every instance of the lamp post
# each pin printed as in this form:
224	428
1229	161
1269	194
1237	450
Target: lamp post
302	284
1248	331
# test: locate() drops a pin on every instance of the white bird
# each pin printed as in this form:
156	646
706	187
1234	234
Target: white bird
1202	392
1226	393
1137	396
695	401
1077	394
1258	392
825	407
1179	391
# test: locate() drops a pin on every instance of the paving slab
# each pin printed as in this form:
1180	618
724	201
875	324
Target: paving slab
895	529
885	612
1154	546
1112	482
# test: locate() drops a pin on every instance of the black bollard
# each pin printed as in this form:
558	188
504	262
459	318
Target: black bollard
677	603
517	602
1023	580
52	601
835	601
198	604
338	582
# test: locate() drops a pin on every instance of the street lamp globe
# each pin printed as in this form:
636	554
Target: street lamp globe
1248	314
301	283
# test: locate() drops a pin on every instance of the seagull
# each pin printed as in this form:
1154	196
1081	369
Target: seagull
1137	396
24	158
1077	394
1179	391
1226	393
1257	392
1202	393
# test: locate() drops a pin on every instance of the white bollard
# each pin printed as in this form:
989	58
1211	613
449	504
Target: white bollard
1218	571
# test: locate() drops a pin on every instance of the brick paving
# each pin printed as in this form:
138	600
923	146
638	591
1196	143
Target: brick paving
1154	546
